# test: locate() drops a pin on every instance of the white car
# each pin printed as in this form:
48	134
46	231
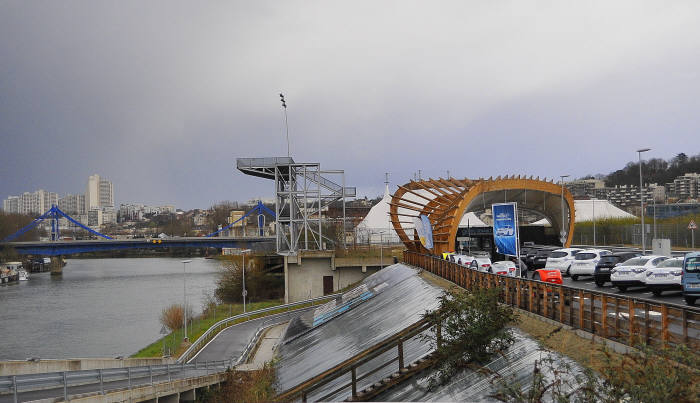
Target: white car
561	259
632	273
464	260
585	261
481	263
505	268
665	276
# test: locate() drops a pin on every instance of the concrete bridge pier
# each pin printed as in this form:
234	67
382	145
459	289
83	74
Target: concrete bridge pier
57	264
174	398
188	396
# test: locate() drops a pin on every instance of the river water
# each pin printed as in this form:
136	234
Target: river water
98	307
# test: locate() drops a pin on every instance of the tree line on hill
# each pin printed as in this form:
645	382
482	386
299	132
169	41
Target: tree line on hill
656	170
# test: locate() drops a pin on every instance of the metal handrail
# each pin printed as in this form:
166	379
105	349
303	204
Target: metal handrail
15	384
216	327
352	363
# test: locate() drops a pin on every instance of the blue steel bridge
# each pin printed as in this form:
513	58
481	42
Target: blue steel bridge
56	246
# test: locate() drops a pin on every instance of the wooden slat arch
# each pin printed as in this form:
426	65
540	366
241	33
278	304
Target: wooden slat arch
451	197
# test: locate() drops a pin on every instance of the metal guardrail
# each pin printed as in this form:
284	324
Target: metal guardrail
224	323
16	384
615	317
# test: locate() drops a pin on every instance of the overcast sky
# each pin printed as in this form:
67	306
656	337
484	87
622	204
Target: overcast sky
161	97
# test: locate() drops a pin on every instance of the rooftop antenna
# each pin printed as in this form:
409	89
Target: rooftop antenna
286	123
448	174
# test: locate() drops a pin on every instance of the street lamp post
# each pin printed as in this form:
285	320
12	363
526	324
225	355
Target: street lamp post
184	293
641	196
562	233
244	292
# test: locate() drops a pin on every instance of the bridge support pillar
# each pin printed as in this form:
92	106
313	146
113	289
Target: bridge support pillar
57	264
174	398
188	396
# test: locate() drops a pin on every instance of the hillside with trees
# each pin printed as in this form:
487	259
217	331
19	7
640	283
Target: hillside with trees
656	170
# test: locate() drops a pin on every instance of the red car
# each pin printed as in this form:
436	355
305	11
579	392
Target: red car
548	276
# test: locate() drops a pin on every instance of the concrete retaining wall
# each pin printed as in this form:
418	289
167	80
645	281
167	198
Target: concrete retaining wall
75	364
304	273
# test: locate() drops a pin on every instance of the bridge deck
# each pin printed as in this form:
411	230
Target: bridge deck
54	248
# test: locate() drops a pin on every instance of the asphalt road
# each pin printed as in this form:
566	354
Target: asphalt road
231	342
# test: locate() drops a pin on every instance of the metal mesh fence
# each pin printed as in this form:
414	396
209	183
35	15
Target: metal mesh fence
631	234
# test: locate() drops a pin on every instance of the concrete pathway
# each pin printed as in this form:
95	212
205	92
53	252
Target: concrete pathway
267	347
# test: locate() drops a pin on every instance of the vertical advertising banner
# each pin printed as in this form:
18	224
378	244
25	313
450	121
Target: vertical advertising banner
505	228
425	231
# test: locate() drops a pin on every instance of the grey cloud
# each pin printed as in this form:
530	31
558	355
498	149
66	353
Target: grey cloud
161	97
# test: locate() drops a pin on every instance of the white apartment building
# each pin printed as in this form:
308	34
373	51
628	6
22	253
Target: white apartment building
37	202
99	193
11	204
94	218
686	186
72	205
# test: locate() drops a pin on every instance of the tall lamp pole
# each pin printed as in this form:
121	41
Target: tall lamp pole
184	293
286	123
562	233
641	196
244	292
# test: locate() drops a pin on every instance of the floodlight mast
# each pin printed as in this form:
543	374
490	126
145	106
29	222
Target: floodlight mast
286	122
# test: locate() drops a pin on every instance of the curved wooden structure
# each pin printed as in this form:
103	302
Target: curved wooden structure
444	202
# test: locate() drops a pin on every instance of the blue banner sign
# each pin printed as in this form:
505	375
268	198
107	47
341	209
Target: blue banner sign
505	228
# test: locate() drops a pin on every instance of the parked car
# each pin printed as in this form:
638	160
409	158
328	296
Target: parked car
548	276
632	272
561	259
665	276
540	259
481	263
464	260
601	275
585	261
504	268
530	256
691	277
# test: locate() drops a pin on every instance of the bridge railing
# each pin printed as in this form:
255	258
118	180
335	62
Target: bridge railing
192	351
619	318
135	376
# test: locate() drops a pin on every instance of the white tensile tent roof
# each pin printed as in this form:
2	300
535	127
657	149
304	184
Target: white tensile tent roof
376	226
470	219
589	210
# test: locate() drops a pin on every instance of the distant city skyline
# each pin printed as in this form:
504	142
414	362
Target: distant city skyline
161	97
